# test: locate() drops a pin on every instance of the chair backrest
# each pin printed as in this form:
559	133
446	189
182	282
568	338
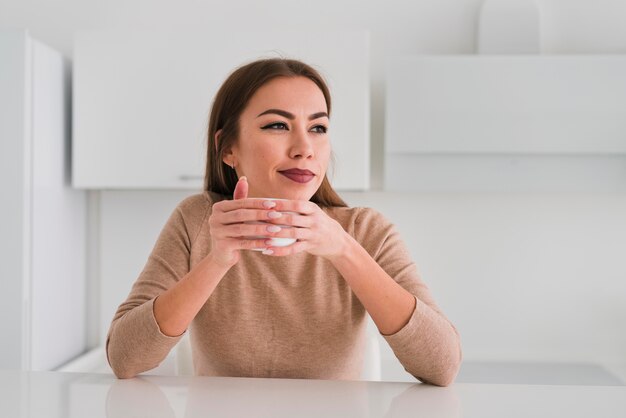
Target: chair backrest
371	364
372	360
184	359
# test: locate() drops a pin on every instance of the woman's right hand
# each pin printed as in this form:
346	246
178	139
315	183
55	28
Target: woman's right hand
227	227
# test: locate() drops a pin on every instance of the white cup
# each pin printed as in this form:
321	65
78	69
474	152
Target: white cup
276	241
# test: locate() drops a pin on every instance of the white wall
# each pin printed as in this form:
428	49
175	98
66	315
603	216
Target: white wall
14	180
525	277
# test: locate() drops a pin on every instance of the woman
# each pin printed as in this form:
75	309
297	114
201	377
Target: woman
297	311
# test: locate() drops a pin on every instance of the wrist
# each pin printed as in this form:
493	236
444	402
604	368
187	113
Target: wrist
219	263
346	245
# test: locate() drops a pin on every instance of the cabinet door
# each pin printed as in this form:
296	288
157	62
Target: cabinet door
142	101
58	218
506	104
522	123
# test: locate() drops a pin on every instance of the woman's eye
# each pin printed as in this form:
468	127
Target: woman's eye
320	129
277	125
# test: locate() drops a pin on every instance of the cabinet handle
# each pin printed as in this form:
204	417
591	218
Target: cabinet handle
188	177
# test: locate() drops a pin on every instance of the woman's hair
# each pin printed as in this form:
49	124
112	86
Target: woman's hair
229	104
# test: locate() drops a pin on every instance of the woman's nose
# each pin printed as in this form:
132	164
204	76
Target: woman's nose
302	146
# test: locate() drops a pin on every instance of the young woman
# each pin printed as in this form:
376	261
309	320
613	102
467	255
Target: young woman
297	311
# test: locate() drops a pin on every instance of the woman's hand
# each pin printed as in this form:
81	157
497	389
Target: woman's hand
315	231
228	230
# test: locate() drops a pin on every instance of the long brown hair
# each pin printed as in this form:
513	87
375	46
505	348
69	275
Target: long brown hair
228	105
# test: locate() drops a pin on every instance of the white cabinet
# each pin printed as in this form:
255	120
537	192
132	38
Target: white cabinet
525	122
42	219
142	101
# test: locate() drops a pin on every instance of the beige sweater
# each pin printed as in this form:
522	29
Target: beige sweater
290	317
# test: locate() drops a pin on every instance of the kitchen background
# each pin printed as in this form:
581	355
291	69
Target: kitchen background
528	276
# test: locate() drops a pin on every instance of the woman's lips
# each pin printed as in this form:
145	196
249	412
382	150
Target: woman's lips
298	177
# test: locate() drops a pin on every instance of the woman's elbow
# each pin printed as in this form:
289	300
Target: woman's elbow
446	374
120	368
446	378
123	373
449	373
442	378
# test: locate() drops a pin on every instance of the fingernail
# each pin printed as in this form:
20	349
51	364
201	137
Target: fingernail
244	178
269	204
274	215
273	228
267	252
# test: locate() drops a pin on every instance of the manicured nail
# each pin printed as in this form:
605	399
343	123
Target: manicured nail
268	252
274	215
269	204
273	228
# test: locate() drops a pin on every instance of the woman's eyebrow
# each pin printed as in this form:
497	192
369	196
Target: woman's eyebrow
291	116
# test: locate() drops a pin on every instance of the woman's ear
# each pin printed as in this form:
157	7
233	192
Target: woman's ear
228	159
228	156
216	138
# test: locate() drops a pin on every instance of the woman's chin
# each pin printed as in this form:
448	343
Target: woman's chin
296	196
292	194
282	195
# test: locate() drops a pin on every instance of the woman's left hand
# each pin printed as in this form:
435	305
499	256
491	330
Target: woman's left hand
315	231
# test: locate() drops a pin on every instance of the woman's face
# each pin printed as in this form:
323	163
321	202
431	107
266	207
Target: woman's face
283	148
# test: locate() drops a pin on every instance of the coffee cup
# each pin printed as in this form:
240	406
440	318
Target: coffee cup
276	241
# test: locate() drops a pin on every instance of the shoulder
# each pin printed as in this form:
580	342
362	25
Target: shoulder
355	215
370	228
361	222
199	202
194	210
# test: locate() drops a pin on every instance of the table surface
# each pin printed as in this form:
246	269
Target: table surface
67	395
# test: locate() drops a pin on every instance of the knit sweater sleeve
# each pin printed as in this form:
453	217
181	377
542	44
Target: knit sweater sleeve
135	342
428	346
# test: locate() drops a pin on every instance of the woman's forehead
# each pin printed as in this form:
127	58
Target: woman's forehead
294	94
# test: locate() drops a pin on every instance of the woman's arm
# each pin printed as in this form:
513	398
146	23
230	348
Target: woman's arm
388	303
167	295
135	342
424	341
377	266
160	306
178	306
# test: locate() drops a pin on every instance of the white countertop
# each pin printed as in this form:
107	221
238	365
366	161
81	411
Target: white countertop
67	395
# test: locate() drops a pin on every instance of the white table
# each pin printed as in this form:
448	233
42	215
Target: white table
68	395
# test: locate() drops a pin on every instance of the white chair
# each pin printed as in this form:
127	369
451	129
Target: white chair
371	363
372	360
184	360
